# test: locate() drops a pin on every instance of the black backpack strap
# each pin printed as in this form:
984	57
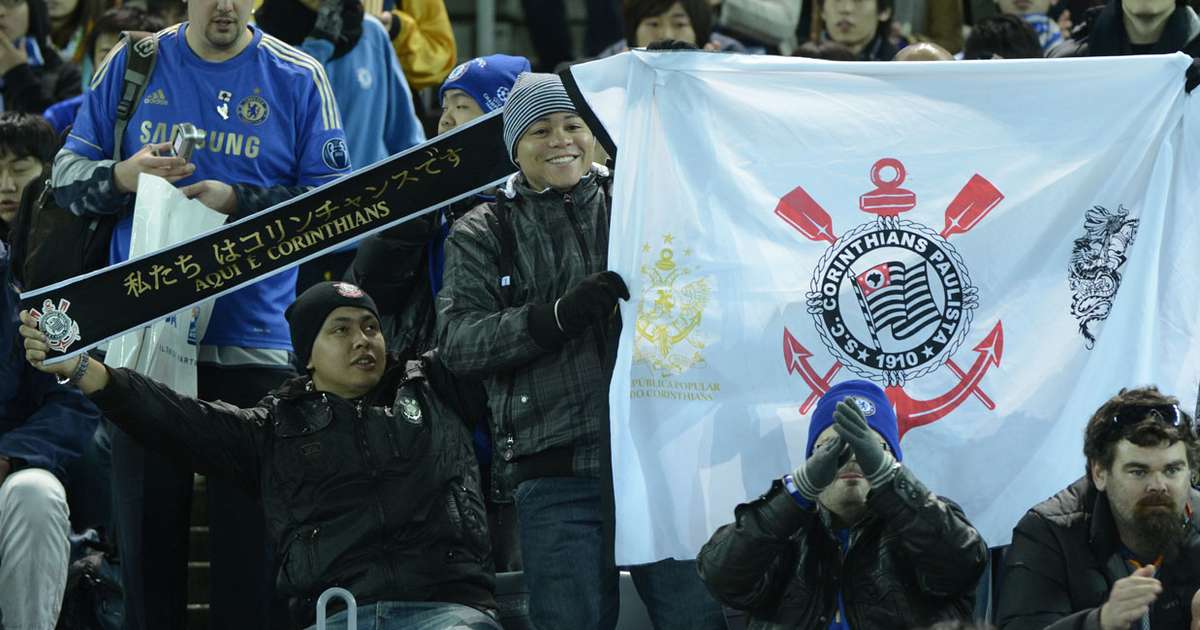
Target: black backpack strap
142	51
500	221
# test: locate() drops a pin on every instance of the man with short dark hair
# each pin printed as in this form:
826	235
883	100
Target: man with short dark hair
27	146
1134	27
44	426
851	540
863	26
1119	548
363	465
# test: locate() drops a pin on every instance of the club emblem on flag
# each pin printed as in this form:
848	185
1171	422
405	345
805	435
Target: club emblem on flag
61	331
669	312
892	299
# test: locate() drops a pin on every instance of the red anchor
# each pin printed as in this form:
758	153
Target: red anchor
973	202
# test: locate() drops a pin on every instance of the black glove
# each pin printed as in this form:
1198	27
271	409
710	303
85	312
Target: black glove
820	469
1192	76
877	464
329	21
591	300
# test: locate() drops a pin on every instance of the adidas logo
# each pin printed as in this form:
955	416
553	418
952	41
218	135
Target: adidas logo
157	98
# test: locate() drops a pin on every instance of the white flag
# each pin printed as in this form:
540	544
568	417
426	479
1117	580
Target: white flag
1001	245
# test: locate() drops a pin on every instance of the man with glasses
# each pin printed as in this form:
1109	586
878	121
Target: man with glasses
1119	548
851	539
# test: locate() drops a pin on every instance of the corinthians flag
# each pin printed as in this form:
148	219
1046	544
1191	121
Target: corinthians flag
787	224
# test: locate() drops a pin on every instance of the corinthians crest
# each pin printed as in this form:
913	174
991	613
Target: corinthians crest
61	331
892	299
669	312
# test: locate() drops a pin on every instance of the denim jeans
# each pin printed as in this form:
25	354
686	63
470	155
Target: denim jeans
415	616
571	578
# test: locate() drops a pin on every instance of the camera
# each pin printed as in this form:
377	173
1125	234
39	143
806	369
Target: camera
187	139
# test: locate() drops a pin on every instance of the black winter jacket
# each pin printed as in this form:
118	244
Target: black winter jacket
379	496
394	267
32	89
1065	557
1102	33
913	561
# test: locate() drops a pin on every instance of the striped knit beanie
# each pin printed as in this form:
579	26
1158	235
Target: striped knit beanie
534	95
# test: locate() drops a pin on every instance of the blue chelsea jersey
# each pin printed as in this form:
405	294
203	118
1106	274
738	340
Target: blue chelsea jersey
269	119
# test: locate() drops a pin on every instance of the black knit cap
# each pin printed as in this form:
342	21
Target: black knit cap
306	315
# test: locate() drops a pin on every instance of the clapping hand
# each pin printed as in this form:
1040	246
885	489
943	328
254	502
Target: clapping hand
850	423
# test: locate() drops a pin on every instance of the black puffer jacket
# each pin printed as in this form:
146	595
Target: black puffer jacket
395	268
380	496
913	561
1065	557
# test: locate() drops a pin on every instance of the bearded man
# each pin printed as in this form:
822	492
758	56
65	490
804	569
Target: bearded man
1119	548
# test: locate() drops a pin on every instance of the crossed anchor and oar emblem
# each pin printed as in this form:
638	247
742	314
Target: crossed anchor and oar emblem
891	299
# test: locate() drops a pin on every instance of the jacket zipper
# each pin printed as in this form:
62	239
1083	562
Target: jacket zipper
361	433
598	331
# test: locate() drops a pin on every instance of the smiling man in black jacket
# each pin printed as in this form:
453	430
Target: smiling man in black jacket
364	465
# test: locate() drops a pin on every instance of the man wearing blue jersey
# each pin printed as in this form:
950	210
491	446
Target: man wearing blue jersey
272	129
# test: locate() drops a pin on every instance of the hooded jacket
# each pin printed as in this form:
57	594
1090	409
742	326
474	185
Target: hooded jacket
549	405
378	495
1103	34
913	561
1065	557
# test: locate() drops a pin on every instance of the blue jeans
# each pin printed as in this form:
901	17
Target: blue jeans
570	574
415	616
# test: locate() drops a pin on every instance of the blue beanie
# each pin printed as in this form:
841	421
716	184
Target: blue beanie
874	405
488	80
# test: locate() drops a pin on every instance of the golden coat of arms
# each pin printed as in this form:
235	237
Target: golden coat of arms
670	311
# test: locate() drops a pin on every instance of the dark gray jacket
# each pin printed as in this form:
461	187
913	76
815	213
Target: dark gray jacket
549	405
914	561
1065	558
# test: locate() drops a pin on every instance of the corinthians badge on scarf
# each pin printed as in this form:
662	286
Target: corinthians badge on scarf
891	298
61	331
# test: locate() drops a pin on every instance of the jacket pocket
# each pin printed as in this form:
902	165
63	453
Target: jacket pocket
301	567
468	521
305	448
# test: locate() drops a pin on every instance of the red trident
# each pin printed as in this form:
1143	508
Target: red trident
965	211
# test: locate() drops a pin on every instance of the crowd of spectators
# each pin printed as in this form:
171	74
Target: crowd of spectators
432	409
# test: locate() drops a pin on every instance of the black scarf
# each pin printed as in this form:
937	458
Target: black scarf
292	22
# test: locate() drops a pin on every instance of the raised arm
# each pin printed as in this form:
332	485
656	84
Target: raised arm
226	439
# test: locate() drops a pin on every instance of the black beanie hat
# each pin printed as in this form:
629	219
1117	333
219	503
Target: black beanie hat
306	315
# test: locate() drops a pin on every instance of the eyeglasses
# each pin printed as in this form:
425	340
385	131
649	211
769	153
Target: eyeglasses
1169	415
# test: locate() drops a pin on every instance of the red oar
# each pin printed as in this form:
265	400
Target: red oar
973	203
806	215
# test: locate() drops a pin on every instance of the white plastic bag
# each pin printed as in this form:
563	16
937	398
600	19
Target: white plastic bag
165	351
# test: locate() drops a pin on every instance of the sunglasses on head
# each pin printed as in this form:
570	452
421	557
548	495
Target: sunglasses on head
1168	414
